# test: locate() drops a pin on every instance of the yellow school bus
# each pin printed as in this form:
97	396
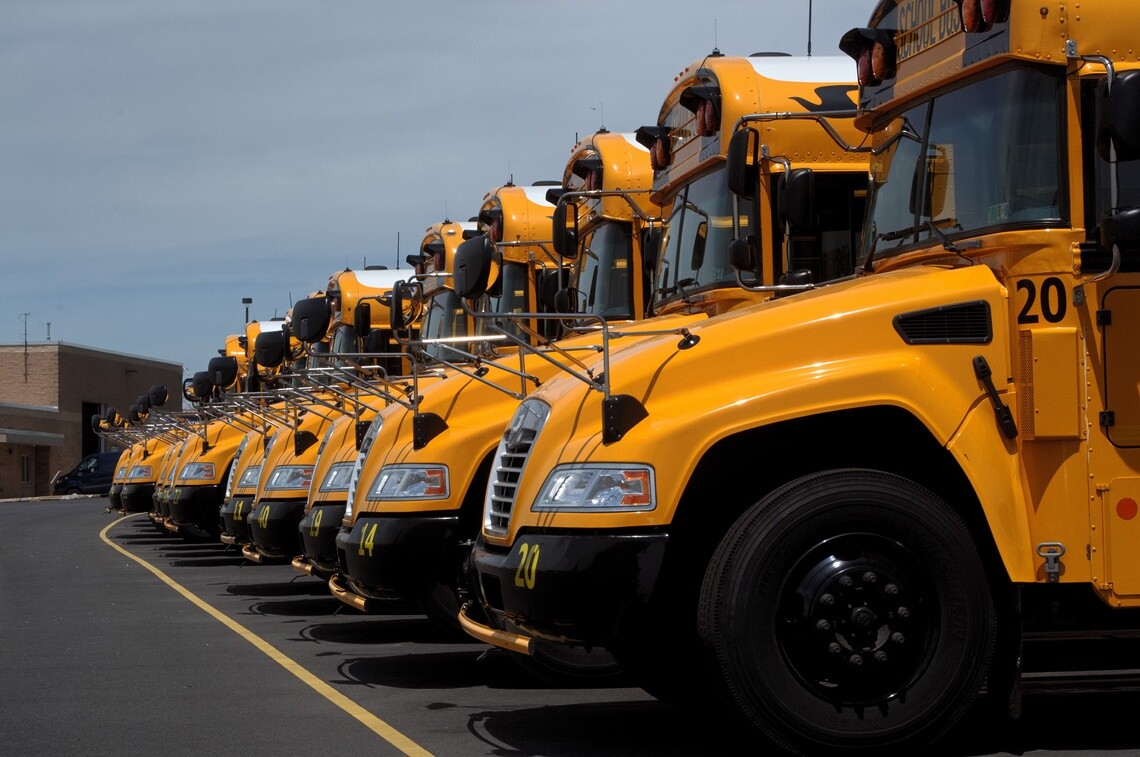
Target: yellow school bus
372	372
195	487
259	419
517	218
327	386
894	486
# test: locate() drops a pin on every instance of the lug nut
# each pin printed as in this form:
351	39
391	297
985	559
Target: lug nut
881	657
856	660
834	648
898	638
846	582
822	625
891	590
904	612
826	600
870	578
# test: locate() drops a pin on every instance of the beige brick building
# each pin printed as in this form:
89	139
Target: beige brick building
48	393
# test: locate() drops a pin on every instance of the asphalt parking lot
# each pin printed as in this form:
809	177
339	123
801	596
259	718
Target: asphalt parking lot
117	639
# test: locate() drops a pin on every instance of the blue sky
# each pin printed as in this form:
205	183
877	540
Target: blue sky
159	161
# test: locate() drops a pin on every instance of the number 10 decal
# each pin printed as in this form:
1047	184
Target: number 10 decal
1052	304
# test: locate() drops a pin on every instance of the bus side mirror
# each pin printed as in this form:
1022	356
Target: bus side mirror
796	197
1121	228
742	170
930	183
700	241
142	402
742	253
223	370
564	237
400	306
565	300
473	267
203	385
362	320
158	395
1118	116
552	281
269	349
311	317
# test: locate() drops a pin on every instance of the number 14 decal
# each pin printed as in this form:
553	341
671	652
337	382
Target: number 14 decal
1052	304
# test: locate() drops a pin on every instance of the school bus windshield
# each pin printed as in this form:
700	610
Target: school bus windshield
604	285
1000	140
699	233
444	318
511	297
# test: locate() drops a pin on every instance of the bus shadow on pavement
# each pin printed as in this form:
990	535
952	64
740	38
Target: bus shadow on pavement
392	630
449	669
645	727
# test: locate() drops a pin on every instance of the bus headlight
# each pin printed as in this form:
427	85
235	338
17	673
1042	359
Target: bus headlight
337	479
410	482
197	472
290	477
597	488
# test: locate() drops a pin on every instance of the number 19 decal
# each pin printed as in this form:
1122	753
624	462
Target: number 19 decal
528	566
315	526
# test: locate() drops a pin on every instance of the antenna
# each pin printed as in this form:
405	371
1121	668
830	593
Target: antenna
397	249
809	28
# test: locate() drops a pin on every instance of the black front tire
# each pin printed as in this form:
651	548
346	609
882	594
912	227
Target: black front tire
849	612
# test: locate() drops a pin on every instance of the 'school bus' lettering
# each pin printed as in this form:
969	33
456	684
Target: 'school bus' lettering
922	24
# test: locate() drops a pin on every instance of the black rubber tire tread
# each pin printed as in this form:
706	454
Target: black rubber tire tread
740	603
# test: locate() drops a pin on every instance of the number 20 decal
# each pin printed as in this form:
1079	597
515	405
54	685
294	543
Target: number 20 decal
528	565
1052	304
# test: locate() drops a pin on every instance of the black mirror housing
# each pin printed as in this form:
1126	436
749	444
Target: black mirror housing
203	384
158	395
311	318
473	263
224	371
1118	116
796	199
564	238
362	320
741	169
269	349
742	254
1121	228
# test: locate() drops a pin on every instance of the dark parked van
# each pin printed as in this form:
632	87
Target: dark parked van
93	475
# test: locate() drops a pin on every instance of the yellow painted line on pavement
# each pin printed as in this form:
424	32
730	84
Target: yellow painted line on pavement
370	721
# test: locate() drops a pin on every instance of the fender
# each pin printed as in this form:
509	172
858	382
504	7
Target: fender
758	366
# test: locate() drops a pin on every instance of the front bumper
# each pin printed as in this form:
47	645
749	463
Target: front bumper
319	529
137	498
113	499
273	528
233	513
194	509
588	589
400	557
